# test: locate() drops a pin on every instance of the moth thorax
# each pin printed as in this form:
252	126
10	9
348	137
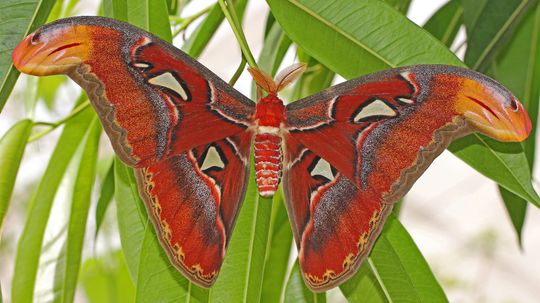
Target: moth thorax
268	162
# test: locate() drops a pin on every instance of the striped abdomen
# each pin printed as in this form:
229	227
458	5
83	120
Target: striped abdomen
268	163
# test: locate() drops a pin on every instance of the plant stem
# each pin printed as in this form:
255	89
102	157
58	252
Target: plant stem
54	125
230	14
238	72
185	22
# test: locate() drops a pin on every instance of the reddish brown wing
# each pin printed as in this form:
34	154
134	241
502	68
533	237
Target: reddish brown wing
183	128
193	199
154	100
355	149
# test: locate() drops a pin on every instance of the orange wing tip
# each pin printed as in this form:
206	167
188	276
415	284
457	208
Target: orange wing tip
493	111
52	50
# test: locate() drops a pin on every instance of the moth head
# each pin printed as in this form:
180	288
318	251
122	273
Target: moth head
56	48
492	110
287	76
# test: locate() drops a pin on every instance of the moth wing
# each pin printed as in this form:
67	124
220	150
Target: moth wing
152	98
350	153
193	199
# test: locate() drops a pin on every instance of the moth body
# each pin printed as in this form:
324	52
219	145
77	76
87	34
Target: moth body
269	115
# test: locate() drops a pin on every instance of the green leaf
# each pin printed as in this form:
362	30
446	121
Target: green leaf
151	15
158	280
117	9
106	279
314	80
204	32
240	279
132	217
105	197
18	20
397	42
275	270
401	272
516	209
509	70
29	247
297	292
12	147
503	163
365	286
378	36
399	5
275	47
47	88
196	43
493	27
445	23
471	13
80	205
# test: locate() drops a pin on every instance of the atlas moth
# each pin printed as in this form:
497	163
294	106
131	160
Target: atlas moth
343	156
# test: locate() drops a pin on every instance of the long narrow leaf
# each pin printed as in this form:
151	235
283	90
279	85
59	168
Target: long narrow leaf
297	292
241	275
400	5
365	286
275	270
117	9
206	30
495	24
402	273
12	147
397	42
82	194
151	15
132	219
378	36
106	279
29	247
509	69
445	23
471	13
158	280
105	198
18	20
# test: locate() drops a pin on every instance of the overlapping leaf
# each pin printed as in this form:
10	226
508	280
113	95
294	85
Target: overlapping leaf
297	291
518	68
105	197
18	20
29	247
445	23
398	267
492	25
12	147
80	206
368	36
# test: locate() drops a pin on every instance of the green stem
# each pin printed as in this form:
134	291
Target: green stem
54	125
230	14
185	22
238	72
